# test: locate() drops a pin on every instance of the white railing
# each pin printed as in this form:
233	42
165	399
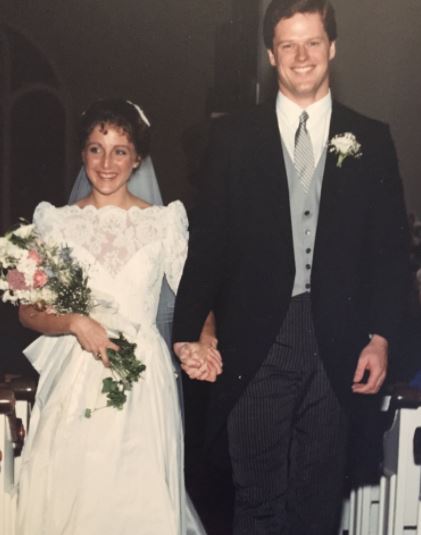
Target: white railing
393	507
402	472
15	406
361	512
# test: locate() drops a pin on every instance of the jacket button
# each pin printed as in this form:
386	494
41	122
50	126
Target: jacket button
240	377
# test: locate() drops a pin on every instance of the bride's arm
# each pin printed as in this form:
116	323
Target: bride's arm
91	335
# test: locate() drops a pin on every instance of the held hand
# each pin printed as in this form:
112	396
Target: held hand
211	366
184	352
92	337
200	360
373	360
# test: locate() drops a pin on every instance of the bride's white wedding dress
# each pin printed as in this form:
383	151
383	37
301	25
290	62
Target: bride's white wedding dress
119	472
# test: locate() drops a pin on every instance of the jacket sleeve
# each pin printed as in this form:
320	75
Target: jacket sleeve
389	243
208	241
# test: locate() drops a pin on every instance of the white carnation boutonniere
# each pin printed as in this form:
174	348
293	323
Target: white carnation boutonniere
344	145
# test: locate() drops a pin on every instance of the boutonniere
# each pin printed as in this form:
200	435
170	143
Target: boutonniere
345	145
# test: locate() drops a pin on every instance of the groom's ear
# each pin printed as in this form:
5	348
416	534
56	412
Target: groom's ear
332	50
271	57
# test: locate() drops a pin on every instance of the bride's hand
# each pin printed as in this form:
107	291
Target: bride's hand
199	360
92	337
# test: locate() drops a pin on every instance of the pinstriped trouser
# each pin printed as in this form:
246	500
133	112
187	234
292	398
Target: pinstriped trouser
287	438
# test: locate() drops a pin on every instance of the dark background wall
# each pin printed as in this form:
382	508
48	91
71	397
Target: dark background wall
378	72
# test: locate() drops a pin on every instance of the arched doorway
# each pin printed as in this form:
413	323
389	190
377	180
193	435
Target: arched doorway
34	129
35	140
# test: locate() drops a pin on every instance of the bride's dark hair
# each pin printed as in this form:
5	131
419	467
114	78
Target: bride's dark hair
120	113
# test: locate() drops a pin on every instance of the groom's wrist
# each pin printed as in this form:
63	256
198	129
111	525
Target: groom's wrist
209	340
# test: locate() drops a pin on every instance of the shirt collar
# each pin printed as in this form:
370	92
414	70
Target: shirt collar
289	111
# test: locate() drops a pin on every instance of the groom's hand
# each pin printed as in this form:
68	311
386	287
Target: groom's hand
372	361
199	360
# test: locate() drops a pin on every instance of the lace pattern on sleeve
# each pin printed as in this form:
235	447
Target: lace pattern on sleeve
176	241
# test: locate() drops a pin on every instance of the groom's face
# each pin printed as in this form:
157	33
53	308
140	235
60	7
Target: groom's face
301	54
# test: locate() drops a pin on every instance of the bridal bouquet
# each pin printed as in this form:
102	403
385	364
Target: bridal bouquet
33	272
46	276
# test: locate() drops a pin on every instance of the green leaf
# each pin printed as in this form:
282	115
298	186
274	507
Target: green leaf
126	370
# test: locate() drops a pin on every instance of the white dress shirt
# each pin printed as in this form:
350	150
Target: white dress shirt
318	123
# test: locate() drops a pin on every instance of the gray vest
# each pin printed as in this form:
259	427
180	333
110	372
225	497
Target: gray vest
304	216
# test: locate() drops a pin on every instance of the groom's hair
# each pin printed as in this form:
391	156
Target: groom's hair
284	9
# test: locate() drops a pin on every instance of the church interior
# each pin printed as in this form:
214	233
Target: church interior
185	63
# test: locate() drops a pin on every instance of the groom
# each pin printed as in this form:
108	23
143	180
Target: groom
299	245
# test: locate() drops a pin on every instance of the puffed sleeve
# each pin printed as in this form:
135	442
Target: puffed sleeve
44	220
175	243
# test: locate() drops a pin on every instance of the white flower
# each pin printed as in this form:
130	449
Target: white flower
24	231
345	145
8	297
3	285
27	266
28	297
10	253
46	295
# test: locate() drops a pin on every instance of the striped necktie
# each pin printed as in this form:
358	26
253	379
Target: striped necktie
303	153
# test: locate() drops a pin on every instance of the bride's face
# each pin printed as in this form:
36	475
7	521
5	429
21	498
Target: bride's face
109	158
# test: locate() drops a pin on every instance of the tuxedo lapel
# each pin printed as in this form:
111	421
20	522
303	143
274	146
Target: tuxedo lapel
271	159
271	168
331	196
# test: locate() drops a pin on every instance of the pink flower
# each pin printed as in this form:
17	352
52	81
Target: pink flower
40	278
34	255
16	280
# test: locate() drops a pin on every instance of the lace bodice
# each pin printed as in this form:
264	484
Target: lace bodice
125	253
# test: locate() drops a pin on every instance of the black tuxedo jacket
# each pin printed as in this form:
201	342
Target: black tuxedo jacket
241	261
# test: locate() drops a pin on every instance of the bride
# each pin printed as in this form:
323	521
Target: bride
118	472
